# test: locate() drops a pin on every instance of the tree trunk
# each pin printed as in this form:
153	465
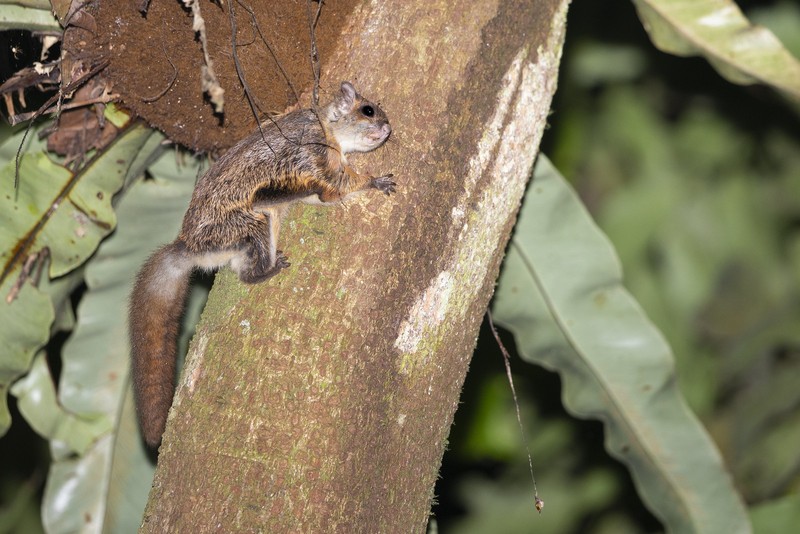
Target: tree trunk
321	400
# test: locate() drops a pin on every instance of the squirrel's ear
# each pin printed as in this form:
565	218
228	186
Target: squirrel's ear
349	92
343	103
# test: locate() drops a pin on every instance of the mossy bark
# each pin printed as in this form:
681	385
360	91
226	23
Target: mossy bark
321	400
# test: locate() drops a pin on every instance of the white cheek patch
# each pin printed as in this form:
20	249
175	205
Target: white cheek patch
349	139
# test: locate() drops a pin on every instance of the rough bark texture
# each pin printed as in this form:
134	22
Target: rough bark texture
321	400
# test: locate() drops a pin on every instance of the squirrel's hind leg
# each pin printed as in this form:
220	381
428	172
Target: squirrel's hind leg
261	259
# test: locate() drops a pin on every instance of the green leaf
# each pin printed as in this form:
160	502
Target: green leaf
110	483
116	116
67	212
24	328
561	294
34	4
717	30
783	18
18	17
36	399
53	208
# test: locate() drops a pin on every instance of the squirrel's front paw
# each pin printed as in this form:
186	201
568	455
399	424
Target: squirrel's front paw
384	183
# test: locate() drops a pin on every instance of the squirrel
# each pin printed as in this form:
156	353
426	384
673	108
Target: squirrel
234	218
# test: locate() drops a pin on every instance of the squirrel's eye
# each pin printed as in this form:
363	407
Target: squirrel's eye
368	111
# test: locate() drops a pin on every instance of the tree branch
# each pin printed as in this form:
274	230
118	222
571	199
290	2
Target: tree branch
321	400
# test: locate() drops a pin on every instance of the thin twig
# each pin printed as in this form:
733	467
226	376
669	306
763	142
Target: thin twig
57	97
246	87
148	100
314	56
269	47
102	99
25	273
538	503
240	73
44	254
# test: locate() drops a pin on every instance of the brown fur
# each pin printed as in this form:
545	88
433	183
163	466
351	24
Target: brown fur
234	218
155	311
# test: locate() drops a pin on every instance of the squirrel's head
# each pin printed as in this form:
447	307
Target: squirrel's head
357	124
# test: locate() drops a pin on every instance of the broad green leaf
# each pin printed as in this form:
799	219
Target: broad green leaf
717	30
783	18
35	4
36	399
701	226
111	482
70	507
693	209
24	328
561	294
18	17
54	208
25	320
67	212
116	116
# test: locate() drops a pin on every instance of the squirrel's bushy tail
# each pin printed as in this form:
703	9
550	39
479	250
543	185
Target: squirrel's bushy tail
156	307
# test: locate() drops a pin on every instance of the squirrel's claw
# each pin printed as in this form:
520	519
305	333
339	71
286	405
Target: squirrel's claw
384	183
